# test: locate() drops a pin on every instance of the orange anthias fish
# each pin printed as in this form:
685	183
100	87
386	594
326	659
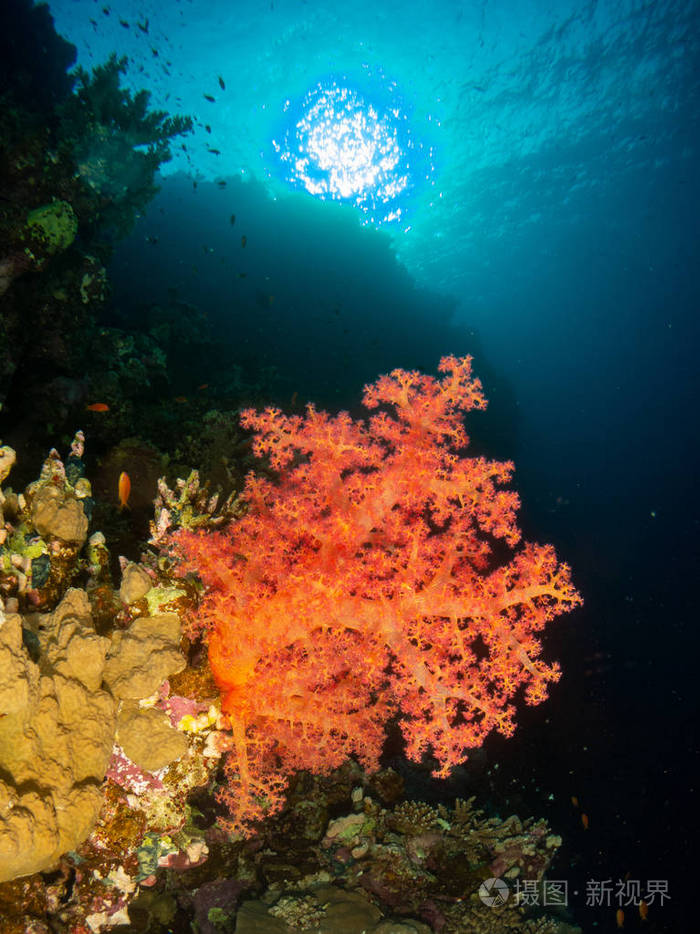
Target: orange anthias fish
584	821
124	488
620	918
643	910
97	407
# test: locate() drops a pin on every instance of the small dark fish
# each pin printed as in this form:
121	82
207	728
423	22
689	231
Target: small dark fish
216	152
221	83
155	53
106	10
244	240
94	23
183	147
242	275
194	185
207	128
232	219
152	240
143	26
221	184
123	22
208	97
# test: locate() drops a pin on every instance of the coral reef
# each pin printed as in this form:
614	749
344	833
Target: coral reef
78	161
71	699
111	747
408	868
114	751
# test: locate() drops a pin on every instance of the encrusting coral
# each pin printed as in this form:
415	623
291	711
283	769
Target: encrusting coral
56	737
62	714
364	584
66	693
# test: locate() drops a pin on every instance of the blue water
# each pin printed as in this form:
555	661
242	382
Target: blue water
553	233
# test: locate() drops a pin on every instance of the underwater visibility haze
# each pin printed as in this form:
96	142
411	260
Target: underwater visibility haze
214	214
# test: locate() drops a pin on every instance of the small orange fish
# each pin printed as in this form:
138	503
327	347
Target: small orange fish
203	386
574	801
97	407
643	910
244	240
124	488
620	918
584	821
180	399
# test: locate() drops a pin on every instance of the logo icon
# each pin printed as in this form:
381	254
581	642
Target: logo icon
493	893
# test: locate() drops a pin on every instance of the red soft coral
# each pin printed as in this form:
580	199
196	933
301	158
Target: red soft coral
363	584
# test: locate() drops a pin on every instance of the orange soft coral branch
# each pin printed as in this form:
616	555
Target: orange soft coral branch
363	584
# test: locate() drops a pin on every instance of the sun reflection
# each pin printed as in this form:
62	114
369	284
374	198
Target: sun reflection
338	144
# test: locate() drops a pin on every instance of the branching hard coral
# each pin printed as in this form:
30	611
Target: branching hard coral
100	100
116	142
365	584
191	505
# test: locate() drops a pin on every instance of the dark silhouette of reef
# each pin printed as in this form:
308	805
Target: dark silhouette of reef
34	59
78	161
